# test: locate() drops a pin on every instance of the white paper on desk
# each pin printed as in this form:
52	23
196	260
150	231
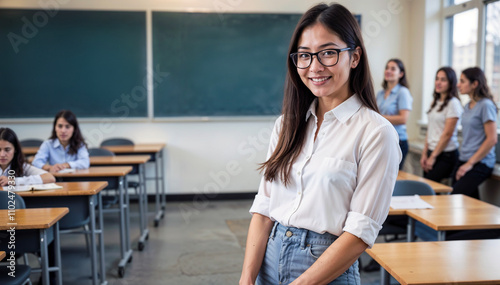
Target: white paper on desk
409	202
67	170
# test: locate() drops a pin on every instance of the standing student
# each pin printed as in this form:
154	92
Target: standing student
394	101
65	148
12	163
440	153
479	134
332	162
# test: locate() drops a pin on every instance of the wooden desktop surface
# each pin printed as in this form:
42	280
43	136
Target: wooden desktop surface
119	159
137	148
2	255
40	218
29	150
437	187
447	202
69	189
102	171
448	262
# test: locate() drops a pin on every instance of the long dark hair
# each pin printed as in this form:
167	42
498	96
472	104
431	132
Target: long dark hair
482	90
17	162
76	140
402	81
451	76
298	98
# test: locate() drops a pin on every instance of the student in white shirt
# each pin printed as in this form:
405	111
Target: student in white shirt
440	153
12	163
65	148
332	162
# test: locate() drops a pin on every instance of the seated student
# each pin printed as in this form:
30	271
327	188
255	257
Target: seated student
12	163
65	148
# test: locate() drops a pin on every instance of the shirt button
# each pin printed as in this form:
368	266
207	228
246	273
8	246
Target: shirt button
289	233
307	157
298	173
300	193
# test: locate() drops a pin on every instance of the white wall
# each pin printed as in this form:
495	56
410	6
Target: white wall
221	156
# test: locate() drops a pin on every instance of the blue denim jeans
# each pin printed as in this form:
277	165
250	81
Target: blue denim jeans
291	251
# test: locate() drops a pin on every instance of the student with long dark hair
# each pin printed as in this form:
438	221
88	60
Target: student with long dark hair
65	148
332	161
394	101
479	134
12	163
440	153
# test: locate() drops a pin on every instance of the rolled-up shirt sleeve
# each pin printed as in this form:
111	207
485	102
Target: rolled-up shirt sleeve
261	202
377	174
82	159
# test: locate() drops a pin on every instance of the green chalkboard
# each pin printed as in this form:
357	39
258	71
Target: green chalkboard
92	62
220	64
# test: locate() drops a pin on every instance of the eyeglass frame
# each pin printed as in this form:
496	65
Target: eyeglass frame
312	54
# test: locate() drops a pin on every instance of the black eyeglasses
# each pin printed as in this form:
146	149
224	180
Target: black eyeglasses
327	57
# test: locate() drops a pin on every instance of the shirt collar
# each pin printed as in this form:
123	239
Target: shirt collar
396	88
342	112
6	172
56	143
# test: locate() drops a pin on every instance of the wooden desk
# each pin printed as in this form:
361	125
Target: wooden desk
155	151
137	162
114	175
446	202
437	187
443	262
2	255
42	220
77	196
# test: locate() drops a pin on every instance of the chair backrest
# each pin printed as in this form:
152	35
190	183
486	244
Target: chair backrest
94	151
116	141
5	201
31	142
411	187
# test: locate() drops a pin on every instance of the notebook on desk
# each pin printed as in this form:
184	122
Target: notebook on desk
34	187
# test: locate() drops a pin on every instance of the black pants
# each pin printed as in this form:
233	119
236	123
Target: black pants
443	167
469	183
404	149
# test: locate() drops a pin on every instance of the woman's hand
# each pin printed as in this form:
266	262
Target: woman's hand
4	180
423	160
463	170
429	163
58	167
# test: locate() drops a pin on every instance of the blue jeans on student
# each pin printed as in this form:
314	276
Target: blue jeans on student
291	251
404	151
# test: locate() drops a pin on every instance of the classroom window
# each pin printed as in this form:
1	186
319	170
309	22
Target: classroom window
492	49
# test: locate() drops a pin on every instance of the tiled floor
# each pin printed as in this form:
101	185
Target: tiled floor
196	243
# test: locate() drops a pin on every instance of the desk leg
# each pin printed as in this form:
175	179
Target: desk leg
164	195
100	231
44	259
93	250
126	252
57	253
158	198
441	235
385	278
143	207
410	233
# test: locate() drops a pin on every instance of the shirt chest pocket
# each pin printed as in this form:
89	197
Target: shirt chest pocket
338	174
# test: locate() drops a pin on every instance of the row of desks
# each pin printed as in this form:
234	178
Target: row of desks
115	171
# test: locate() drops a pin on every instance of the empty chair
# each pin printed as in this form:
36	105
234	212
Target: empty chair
31	143
100	152
116	141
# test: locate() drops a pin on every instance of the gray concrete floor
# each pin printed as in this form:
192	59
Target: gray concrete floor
198	242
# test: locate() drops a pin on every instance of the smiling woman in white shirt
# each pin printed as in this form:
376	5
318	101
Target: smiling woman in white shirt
440	153
332	162
65	148
12	163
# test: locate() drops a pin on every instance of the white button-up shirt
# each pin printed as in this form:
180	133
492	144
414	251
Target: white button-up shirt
343	181
31	175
